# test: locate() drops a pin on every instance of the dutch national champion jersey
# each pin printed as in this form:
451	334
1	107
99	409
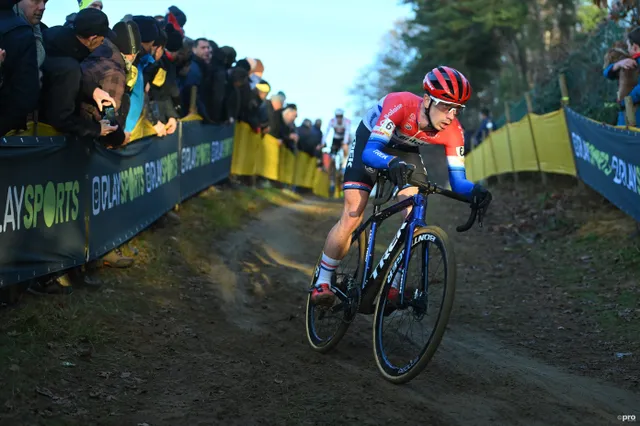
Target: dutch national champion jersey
394	121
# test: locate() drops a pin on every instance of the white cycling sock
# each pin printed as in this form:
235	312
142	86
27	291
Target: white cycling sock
327	268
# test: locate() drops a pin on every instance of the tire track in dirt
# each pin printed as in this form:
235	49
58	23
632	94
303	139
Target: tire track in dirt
252	364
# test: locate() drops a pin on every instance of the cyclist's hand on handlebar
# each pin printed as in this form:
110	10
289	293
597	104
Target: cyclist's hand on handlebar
480	197
398	172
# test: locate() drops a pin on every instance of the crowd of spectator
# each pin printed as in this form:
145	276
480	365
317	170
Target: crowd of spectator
94	79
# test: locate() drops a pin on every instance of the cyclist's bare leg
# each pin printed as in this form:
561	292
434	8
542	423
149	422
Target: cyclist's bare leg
337	244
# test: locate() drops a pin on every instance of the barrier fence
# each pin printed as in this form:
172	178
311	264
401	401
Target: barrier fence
68	200
254	155
605	157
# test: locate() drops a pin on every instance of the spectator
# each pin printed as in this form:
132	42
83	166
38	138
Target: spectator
262	89
148	34
105	67
66	49
306	142
255	74
32	12
19	72
217	85
163	89
316	134
197	77
486	126
625	71
177	18
281	127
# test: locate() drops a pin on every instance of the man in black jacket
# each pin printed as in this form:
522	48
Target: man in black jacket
20	88
62	86
164	94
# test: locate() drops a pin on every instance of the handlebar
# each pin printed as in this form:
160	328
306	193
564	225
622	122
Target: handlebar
427	187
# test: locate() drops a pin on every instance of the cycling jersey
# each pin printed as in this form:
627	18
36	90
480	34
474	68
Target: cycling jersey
393	123
341	131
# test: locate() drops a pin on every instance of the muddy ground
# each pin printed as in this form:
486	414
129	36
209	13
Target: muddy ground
223	343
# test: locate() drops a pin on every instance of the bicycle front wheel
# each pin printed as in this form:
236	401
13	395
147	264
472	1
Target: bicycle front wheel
401	350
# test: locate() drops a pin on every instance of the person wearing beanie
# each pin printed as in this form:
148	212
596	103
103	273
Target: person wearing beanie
148	31
106	67
176	18
20	73
66	49
174	41
164	94
148	28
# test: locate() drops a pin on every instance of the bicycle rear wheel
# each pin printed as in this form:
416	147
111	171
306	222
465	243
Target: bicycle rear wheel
429	299
348	278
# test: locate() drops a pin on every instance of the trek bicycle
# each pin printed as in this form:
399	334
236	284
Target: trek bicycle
364	288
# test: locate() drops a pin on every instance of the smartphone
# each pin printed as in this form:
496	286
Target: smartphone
109	113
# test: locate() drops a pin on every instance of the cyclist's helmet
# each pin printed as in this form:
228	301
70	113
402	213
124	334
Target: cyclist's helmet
448	85
339	112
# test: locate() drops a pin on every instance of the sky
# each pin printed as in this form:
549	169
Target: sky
312	50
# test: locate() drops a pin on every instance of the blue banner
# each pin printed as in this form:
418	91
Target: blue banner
65	201
42	226
130	188
205	156
608	160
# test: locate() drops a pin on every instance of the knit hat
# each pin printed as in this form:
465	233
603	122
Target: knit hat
90	22
161	40
127	37
148	28
244	64
174	39
263	86
179	15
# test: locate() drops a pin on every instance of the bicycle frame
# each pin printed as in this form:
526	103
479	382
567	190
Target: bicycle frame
415	219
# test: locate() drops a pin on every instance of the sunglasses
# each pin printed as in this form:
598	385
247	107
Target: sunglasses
446	106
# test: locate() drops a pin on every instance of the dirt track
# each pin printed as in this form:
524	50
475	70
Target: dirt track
250	363
233	351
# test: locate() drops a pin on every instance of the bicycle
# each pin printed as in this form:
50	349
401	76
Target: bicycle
366	289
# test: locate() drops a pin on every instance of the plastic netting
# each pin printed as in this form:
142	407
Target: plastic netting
590	93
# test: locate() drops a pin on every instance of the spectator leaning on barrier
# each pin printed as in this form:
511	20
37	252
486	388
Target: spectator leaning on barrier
305	143
623	70
62	82
163	91
148	30
287	117
248	104
316	134
105	67
19	71
197	77
218	85
274	104
262	89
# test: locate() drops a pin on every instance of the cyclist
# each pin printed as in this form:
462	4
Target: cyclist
388	138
